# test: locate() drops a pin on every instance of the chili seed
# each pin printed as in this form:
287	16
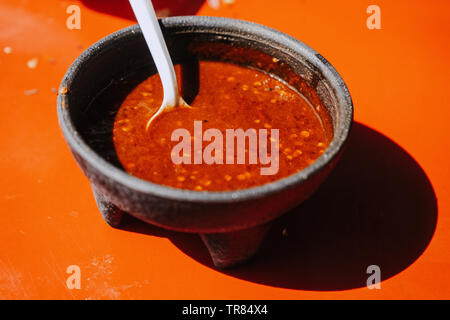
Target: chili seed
305	133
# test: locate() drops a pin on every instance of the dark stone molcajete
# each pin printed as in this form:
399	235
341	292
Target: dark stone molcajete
232	224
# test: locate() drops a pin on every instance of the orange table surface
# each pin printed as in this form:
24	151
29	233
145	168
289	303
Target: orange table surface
386	204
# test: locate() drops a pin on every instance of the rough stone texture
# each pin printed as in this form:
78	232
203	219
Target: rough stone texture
232	248
110	213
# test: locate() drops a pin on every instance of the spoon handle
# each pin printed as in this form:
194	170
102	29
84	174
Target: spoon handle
146	17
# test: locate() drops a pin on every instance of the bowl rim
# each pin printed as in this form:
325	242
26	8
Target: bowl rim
100	164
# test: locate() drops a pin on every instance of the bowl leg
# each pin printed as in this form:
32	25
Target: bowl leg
233	248
110	213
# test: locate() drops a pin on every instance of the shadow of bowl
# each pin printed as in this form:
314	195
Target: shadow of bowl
376	208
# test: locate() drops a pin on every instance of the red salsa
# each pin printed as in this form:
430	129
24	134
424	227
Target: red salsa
229	97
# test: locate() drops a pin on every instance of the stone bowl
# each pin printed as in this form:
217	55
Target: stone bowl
232	224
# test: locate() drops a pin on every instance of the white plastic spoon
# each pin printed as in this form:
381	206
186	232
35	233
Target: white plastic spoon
146	17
